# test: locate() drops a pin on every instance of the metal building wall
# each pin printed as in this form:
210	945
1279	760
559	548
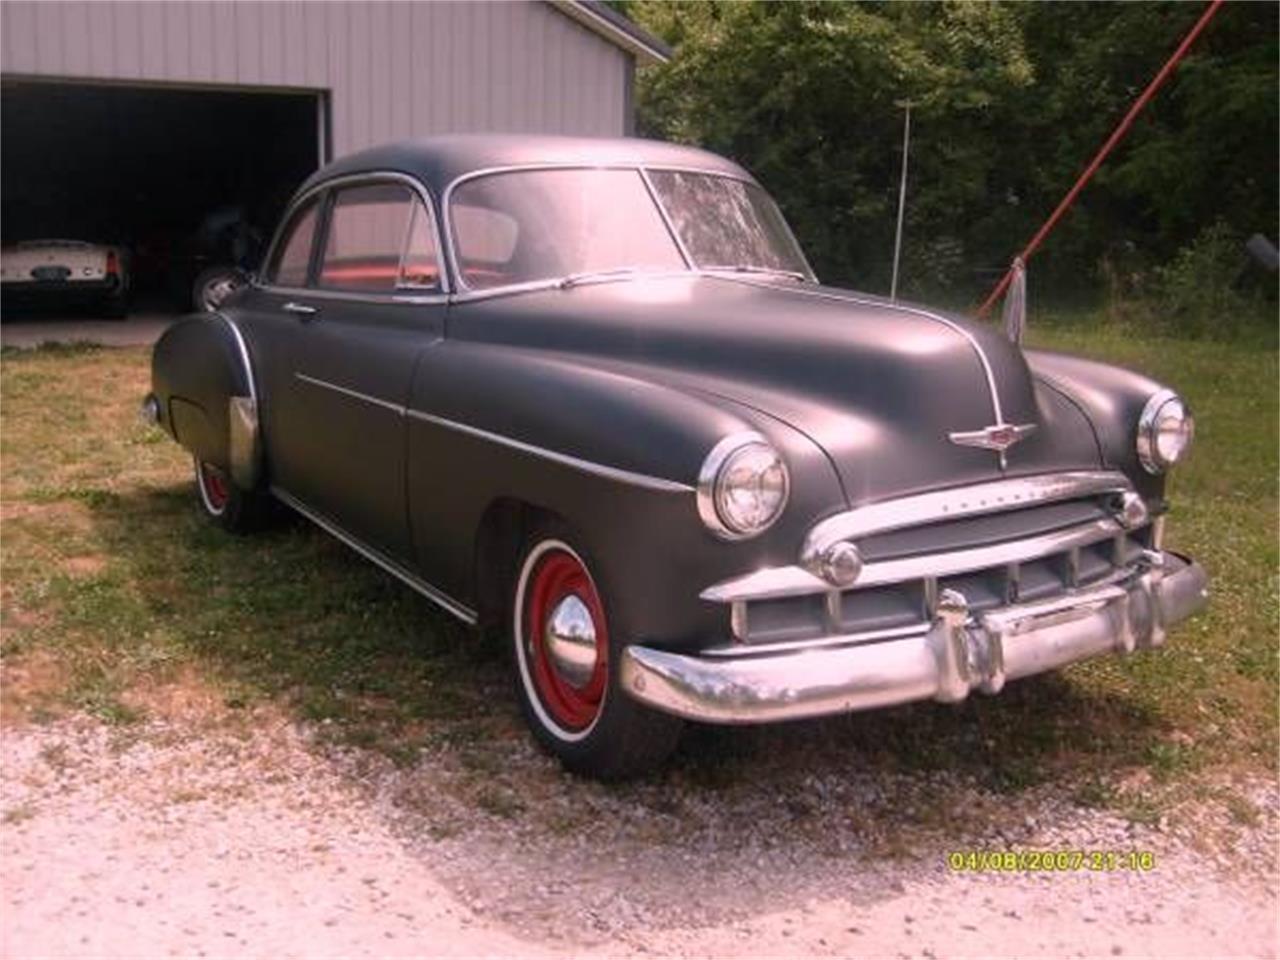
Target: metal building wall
392	69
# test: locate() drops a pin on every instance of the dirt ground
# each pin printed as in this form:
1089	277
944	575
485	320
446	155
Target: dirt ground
250	838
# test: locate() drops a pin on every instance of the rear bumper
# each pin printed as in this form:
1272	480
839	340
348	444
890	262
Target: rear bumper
58	289
944	660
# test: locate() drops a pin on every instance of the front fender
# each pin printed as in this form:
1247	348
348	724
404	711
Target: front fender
490	423
1112	398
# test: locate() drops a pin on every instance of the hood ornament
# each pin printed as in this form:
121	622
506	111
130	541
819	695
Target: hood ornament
1015	303
998	437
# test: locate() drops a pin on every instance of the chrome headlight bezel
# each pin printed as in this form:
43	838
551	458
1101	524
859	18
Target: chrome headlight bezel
1163	407
712	506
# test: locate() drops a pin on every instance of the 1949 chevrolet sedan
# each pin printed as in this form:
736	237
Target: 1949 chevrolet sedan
590	392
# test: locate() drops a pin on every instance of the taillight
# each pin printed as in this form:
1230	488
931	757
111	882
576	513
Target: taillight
113	264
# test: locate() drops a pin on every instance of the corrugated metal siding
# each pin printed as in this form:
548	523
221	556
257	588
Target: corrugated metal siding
392	69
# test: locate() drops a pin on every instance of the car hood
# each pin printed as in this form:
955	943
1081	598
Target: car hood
879	386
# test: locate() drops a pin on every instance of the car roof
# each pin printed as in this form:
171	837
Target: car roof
438	161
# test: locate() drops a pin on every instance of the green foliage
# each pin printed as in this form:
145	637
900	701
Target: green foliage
1198	290
1011	101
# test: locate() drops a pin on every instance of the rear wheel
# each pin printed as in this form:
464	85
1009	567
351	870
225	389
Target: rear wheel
566	665
233	509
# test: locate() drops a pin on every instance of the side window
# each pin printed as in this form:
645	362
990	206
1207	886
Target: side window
380	239
292	256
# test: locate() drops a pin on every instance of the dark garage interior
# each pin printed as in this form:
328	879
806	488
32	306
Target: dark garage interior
181	178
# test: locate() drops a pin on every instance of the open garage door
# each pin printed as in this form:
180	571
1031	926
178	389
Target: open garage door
183	179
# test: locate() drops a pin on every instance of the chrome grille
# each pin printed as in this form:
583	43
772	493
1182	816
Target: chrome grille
912	602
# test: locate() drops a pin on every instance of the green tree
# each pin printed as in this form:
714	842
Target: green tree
1011	100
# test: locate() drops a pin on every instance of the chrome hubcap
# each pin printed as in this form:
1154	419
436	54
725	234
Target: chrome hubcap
570	637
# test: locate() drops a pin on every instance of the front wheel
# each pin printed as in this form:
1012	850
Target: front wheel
567	668
226	504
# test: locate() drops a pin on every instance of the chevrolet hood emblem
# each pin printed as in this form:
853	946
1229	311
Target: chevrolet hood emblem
998	437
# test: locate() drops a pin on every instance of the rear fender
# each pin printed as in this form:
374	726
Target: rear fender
202	378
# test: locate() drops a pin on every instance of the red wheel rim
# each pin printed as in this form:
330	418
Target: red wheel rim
559	574
215	488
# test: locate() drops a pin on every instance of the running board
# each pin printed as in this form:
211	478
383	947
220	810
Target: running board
436	596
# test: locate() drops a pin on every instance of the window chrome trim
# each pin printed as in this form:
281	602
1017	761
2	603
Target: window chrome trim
778	582
318	293
371	177
957	502
660	484
432	593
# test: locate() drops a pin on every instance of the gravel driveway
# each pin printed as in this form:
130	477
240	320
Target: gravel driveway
247	838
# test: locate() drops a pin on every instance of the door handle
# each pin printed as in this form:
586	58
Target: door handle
299	308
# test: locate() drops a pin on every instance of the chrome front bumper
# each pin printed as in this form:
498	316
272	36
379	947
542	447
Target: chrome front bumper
943	660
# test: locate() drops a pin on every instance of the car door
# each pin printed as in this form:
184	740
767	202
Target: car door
344	348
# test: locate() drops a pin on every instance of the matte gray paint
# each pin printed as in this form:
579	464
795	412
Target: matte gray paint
644	376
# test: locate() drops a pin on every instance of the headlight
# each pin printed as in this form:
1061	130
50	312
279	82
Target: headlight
1165	430
743	486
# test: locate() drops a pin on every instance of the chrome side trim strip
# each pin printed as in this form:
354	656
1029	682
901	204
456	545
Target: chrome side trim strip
792	581
243	350
611	473
955	502
660	484
354	394
436	596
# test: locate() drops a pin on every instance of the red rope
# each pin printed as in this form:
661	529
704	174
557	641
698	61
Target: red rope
1116	136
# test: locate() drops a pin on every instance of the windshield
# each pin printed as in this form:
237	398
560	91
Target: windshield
526	226
727	224
530	225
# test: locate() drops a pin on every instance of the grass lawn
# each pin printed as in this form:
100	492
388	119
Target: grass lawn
119	601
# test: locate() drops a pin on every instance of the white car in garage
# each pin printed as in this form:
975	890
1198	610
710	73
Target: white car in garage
70	272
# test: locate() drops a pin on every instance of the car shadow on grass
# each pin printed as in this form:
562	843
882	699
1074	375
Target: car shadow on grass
421	709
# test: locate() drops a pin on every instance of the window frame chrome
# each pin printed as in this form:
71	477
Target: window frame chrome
322	191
